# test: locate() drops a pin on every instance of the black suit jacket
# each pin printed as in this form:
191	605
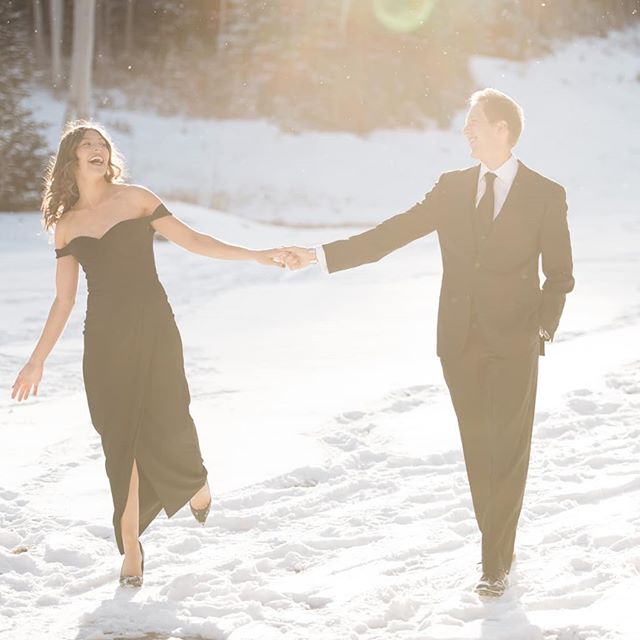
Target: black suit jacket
498	277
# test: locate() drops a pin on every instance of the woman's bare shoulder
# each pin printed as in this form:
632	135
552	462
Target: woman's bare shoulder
62	229
144	199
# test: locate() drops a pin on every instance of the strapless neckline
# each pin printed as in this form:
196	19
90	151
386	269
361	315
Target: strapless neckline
107	232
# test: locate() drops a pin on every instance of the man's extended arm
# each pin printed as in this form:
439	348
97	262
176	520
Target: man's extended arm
374	244
557	264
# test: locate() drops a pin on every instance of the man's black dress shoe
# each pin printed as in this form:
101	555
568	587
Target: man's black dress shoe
492	585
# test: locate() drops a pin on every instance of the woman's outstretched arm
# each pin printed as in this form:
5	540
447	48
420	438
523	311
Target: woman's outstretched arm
66	287
202	244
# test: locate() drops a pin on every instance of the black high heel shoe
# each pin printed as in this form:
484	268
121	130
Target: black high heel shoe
134	581
201	514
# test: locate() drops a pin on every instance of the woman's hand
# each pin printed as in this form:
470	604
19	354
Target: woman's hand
272	257
300	257
28	379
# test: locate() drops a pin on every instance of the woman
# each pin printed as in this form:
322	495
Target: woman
133	364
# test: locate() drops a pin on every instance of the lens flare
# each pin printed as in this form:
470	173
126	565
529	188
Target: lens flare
403	15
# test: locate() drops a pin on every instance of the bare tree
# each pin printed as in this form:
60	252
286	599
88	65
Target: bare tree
79	103
55	18
128	29
38	32
103	36
345	9
222	23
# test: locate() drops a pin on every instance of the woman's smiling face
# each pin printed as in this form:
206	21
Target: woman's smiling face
93	154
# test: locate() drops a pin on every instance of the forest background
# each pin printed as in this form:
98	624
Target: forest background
334	65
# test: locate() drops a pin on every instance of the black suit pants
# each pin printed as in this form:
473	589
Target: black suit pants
494	399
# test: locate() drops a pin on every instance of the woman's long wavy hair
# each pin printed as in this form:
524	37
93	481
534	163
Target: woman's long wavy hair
61	189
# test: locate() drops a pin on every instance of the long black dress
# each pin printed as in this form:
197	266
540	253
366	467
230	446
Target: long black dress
134	373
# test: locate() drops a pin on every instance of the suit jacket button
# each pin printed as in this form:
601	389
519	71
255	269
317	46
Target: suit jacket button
477	265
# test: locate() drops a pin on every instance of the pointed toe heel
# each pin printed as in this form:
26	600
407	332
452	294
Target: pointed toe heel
201	514
134	581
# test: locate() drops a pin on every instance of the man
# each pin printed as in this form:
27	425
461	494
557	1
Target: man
494	221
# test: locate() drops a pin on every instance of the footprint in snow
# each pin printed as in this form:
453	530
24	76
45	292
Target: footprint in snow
574	632
185	546
350	416
589	407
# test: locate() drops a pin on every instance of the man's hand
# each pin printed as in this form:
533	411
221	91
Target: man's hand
299	257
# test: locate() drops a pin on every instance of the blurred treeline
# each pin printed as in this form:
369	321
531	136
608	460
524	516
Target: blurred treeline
351	65
323	64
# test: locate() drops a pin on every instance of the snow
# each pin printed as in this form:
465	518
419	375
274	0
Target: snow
341	504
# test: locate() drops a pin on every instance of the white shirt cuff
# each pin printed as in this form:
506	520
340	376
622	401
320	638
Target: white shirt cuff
322	259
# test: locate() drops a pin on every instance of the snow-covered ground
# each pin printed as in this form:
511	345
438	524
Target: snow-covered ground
342	509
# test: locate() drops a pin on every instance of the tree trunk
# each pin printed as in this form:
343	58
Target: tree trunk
38	33
103	50
222	20
55	18
79	104
103	44
128	29
343	25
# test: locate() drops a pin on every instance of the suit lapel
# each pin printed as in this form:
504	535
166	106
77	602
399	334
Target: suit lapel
470	185
514	206
468	192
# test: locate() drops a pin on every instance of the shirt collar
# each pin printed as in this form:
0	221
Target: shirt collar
505	172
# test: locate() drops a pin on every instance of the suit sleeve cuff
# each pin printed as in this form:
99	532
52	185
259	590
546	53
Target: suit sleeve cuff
322	258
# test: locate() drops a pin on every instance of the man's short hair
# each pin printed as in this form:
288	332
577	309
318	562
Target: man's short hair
499	106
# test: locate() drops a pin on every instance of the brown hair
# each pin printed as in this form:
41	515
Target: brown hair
499	106
61	190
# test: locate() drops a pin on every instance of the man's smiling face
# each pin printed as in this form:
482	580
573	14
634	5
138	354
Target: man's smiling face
485	138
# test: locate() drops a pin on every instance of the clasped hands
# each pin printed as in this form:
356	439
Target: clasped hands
293	258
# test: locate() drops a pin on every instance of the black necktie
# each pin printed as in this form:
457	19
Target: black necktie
486	204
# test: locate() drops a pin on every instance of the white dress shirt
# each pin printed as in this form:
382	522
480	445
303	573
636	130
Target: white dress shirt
505	175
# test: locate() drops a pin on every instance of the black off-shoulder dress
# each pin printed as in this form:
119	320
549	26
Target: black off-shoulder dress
134	372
